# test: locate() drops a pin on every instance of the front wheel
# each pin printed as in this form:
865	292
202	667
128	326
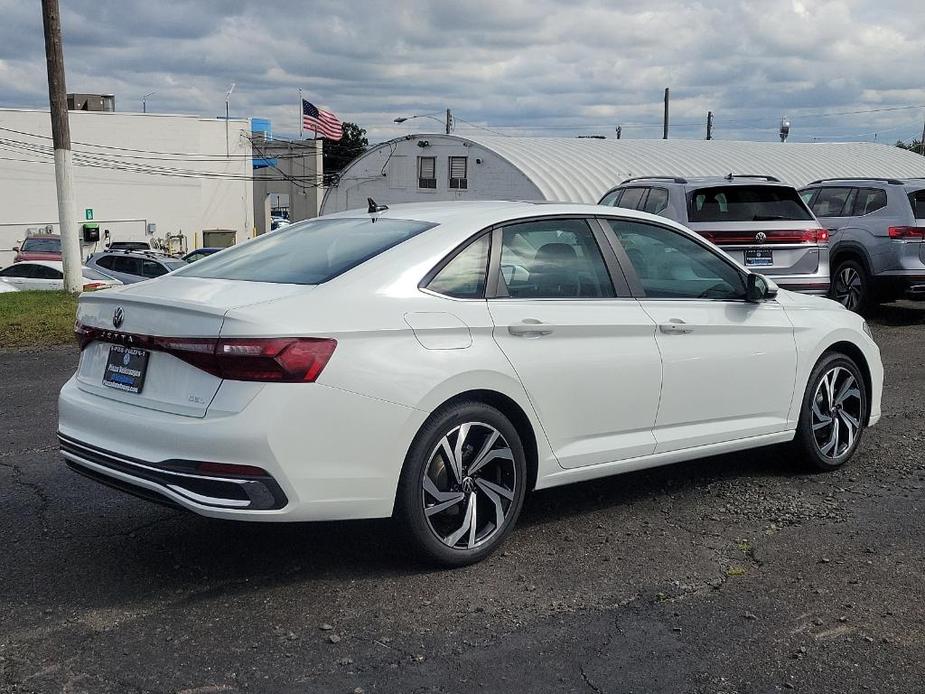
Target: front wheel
463	484
834	410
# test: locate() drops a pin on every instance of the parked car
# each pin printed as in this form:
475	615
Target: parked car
41	247
128	246
438	362
199	254
876	230
134	266
49	275
278	223
762	223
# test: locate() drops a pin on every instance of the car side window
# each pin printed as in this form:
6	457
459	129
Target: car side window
23	270
612	198
127	264
671	265
632	197
463	277
657	200
43	272
553	259
153	269
106	262
831	202
869	200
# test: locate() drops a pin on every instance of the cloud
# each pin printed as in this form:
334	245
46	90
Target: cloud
551	67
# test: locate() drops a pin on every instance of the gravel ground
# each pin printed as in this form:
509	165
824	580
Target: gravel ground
733	574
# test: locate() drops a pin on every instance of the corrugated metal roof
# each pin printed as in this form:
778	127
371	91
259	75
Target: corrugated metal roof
582	170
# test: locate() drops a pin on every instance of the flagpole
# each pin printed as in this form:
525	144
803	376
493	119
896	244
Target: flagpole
301	114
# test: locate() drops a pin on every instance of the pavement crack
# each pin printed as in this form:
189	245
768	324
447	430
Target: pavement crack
19	478
587	680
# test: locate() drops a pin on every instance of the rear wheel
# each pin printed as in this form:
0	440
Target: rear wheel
463	484
834	410
851	286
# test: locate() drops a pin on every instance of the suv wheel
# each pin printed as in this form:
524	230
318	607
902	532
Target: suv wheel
833	414
851	285
463	484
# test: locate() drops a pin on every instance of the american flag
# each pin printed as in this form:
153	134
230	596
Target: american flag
322	122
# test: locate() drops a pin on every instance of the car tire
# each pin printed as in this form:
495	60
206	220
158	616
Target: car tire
851	286
833	414
446	484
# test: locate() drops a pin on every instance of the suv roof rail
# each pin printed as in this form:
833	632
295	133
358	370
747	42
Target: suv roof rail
772	179
893	181
673	179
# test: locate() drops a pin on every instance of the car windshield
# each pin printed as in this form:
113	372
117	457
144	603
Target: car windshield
747	204
38	245
309	252
130	245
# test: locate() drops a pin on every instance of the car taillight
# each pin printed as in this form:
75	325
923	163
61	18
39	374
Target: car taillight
780	236
274	359
92	286
906	232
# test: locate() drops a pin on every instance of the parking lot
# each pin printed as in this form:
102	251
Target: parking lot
733	574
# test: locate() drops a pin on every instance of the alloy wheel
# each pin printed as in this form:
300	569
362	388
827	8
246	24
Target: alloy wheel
837	410
469	485
848	288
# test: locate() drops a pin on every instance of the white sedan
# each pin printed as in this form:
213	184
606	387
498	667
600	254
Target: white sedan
48	275
438	362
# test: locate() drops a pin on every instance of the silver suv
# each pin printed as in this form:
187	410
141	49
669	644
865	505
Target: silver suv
876	228
133	266
762	223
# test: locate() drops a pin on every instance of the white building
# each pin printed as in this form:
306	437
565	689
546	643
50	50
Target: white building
140	176
449	167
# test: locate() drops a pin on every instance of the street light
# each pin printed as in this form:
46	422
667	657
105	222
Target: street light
227	99
144	101
433	116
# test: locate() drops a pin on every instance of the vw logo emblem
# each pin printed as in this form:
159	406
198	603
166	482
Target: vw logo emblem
761	237
118	316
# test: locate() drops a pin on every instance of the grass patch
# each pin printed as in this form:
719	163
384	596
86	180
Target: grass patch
36	319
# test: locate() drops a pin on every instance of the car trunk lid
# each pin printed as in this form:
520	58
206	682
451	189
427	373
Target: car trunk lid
180	308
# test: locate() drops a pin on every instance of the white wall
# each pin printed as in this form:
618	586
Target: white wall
388	174
125	201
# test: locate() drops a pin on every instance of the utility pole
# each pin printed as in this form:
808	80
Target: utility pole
227	99
665	121
619	131
709	125
922	141
449	121
61	138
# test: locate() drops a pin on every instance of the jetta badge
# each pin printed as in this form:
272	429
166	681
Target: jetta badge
761	237
117	317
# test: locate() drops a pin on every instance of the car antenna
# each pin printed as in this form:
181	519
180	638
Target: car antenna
375	207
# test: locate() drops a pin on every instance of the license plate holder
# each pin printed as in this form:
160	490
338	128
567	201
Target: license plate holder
759	257
126	368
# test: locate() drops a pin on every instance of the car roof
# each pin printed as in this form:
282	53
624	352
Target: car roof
872	181
151	255
54	264
728	180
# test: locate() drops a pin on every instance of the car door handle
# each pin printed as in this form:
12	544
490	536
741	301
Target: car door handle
675	327
529	327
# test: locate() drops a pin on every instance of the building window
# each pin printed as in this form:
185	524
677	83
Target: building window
427	172
458	171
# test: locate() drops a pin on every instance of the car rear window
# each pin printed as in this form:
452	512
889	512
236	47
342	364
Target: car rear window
746	204
37	245
90	274
309	252
917	200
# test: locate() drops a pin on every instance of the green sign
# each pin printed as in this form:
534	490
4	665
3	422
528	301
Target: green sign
88	213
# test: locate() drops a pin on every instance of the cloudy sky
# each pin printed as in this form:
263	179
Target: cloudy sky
539	67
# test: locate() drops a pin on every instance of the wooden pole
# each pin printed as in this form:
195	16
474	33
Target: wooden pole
61	138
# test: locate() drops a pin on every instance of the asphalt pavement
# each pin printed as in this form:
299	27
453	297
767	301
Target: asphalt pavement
733	574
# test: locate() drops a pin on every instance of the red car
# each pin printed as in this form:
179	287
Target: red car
44	247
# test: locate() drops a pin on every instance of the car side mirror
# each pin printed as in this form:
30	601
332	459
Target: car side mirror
759	288
15	249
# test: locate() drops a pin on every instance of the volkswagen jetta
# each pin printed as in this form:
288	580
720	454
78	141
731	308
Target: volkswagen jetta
437	362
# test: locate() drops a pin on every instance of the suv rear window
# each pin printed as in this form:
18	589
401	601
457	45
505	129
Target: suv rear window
746	204
307	253
917	200
38	245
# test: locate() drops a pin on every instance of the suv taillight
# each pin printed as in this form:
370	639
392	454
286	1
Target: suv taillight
268	359
738	238
906	232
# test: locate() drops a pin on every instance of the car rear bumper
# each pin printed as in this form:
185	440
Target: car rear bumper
805	284
904	283
328	454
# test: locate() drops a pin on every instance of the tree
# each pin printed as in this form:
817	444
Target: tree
339	153
914	146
